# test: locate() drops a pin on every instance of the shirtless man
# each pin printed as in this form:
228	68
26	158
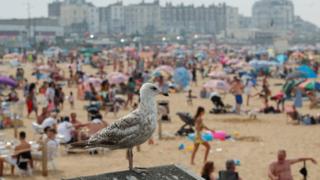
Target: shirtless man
23	146
281	169
237	90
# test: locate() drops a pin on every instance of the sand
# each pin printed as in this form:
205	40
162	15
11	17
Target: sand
259	140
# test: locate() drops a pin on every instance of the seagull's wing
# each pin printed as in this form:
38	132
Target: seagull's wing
113	135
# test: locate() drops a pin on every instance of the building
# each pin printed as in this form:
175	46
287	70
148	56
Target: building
54	9
182	19
78	16
18	32
275	15
245	22
227	18
111	18
143	18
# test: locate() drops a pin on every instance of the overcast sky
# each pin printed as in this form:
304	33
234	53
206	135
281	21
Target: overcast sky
307	9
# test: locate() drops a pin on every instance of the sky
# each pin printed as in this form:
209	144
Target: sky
307	9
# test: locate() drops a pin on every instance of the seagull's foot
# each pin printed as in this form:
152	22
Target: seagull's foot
140	170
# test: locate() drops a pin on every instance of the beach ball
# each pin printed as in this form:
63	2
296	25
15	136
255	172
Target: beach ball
181	147
191	136
221	135
207	137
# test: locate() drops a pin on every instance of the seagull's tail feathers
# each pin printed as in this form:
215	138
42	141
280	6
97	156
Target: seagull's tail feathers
80	145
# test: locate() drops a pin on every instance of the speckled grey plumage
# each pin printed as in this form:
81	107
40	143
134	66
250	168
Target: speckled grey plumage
131	130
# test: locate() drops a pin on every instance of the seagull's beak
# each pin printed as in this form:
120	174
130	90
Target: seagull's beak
165	94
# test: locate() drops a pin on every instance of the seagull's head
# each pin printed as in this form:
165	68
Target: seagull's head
150	90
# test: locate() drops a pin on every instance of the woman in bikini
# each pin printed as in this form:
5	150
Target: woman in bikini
198	140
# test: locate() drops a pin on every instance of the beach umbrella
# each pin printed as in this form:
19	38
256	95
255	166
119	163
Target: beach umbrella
281	58
94	81
182	77
262	64
307	71
166	68
219	85
90	50
44	68
218	75
289	85
117	78
8	81
200	55
295	75
310	85
163	74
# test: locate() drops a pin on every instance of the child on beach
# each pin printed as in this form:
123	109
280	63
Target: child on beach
198	140
71	100
190	97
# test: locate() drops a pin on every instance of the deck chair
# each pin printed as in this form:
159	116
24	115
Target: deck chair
228	175
37	128
24	164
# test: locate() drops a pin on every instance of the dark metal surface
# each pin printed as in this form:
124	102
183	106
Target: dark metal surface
170	172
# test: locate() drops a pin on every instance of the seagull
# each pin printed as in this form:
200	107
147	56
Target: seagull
131	130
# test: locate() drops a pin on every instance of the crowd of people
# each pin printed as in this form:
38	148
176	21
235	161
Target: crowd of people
105	92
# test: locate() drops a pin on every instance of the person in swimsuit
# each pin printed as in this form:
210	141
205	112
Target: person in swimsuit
198	140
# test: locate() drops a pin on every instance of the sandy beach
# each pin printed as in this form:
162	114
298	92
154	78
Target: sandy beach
257	144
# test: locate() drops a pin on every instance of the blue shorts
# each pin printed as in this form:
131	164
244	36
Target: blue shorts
239	99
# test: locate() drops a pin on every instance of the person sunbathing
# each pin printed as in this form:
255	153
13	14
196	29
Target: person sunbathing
293	114
91	128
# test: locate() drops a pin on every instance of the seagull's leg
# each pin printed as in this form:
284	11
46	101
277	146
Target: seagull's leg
130	158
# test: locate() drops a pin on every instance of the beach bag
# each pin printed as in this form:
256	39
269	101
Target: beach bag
306	120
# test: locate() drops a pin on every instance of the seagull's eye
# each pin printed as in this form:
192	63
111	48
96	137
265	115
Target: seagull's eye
153	88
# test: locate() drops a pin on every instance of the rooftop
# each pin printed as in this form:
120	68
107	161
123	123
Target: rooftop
33	21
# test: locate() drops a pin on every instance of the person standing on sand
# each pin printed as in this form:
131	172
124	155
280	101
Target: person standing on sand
237	90
281	169
198	118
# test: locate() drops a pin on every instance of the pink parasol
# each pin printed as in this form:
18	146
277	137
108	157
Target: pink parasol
165	68
117	78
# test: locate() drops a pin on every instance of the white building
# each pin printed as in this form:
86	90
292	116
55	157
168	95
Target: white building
79	16
143	18
275	15
112	18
